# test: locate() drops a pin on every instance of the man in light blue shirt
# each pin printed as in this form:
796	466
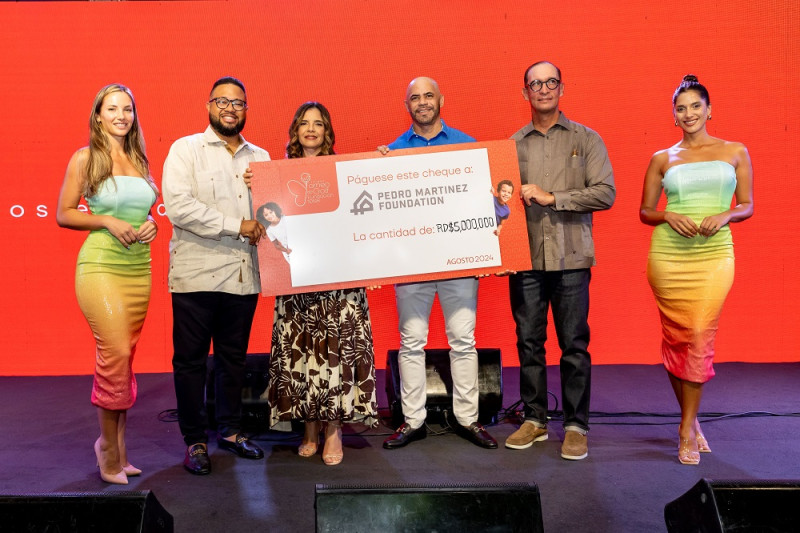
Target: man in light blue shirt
458	298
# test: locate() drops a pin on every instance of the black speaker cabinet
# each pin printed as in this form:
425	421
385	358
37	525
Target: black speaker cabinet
81	512
502	508
440	384
736	506
255	410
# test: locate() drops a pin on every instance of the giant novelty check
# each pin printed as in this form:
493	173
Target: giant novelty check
364	219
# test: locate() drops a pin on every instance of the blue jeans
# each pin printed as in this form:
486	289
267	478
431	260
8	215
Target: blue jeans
567	291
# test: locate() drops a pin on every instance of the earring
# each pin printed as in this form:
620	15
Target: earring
709	117
676	122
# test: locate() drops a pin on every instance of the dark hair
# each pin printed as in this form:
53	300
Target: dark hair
272	206
690	83
294	148
228	80
505	182
525	76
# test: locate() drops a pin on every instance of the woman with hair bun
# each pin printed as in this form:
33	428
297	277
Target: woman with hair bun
690	266
112	278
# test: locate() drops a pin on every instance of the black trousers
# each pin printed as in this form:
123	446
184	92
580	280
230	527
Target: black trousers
200	318
567	291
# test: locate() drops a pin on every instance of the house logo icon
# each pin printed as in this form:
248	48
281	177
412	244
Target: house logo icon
362	204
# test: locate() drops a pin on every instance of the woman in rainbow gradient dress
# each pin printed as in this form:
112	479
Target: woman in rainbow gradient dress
690	265
112	278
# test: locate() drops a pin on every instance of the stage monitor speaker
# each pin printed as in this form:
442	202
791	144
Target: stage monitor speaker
79	512
736	506
255	410
440	384
507	508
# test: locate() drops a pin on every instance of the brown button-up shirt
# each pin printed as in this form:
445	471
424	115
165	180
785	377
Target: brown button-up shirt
571	162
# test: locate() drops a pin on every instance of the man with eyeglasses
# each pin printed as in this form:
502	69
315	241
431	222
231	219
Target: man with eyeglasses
213	274
566	176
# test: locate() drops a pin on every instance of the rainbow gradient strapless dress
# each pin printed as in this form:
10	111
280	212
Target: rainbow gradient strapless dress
690	278
112	284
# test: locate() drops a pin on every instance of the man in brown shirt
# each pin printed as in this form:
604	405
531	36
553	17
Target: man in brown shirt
566	176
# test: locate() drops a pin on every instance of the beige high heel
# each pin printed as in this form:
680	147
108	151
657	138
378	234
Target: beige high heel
686	455
702	444
309	449
127	467
131	470
333	459
120	478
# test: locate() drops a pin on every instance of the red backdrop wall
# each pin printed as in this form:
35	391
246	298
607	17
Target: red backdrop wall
620	64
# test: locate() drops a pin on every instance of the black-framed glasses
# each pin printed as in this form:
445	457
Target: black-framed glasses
223	103
536	85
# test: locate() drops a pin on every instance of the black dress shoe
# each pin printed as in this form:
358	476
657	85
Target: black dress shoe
404	435
241	447
197	461
477	434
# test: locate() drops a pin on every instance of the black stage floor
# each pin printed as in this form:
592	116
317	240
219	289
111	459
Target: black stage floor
48	427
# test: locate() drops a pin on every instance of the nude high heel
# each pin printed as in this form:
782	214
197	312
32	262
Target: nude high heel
127	467
333	459
131	470
686	455
309	449
702	444
120	478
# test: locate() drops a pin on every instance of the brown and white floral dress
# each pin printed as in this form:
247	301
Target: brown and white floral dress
322	365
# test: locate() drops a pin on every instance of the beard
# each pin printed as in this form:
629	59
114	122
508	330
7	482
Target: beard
434	116
226	131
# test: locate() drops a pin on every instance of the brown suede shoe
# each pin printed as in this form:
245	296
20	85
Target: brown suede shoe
575	446
525	436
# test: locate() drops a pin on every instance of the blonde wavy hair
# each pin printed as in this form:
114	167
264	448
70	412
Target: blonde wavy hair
99	166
